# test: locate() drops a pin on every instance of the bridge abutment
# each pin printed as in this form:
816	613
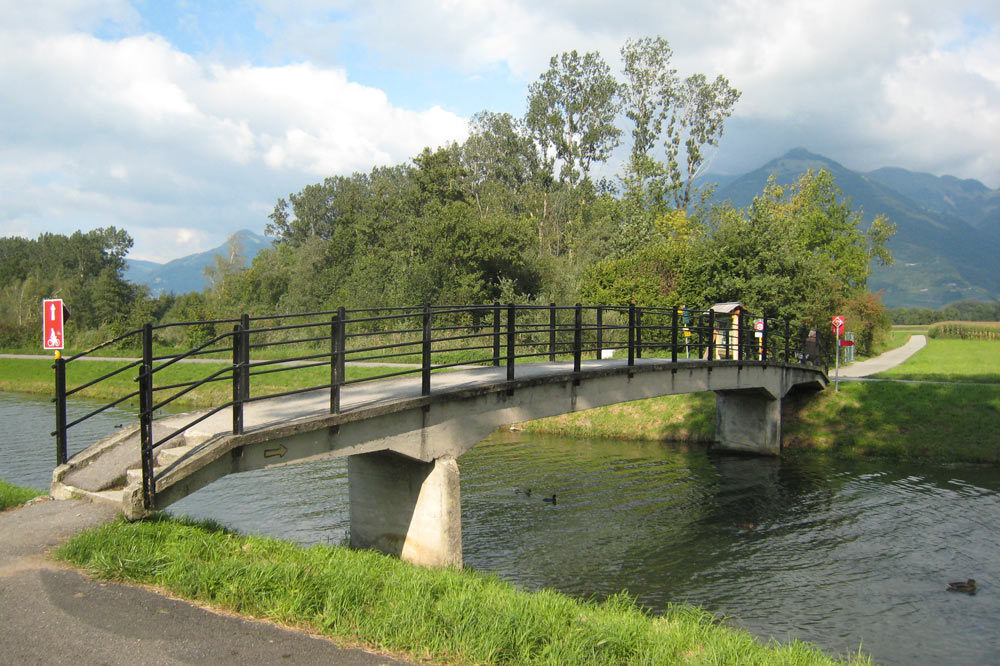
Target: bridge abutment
406	507
748	421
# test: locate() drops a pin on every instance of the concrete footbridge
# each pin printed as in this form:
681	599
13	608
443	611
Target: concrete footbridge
436	381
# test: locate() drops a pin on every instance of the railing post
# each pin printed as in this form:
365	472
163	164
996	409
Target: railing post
764	340
577	337
60	400
787	341
146	418
238	371
711	335
425	363
496	334
335	353
673	334
600	332
511	347
739	337
631	334
638	332
552	331
245	359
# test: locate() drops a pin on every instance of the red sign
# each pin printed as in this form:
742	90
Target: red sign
52	323
847	343
838	325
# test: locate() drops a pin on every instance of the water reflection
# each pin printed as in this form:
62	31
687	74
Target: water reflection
839	554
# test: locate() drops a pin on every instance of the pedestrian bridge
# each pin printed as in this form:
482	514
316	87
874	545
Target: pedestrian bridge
405	392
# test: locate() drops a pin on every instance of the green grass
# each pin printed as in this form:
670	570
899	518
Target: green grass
439	615
954	422
684	418
37	376
11	496
952	361
932	422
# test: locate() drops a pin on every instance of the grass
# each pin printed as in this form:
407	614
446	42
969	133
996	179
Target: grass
36	376
946	360
11	496
440	615
957	421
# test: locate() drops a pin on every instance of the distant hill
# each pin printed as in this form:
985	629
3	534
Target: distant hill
186	274
948	230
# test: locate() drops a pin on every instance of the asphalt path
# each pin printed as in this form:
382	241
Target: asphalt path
881	363
53	615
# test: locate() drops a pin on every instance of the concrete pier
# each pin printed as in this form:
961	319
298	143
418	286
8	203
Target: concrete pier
406	507
748	421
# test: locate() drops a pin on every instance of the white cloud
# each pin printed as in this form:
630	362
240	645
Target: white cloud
134	133
907	80
126	129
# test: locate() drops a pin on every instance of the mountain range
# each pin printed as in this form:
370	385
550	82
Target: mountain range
947	230
945	248
188	273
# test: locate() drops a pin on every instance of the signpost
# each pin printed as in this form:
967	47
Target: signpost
52	324
838	322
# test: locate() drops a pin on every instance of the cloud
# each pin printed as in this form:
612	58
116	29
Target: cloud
107	122
907	81
132	132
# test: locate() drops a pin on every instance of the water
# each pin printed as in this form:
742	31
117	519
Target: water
841	555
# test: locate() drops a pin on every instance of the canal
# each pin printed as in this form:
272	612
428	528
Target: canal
840	554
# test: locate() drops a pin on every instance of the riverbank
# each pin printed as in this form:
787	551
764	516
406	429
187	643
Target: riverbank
951	413
437	615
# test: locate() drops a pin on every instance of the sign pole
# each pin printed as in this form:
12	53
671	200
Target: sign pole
836	376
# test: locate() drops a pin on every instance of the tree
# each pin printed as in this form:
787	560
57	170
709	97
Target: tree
682	117
571	113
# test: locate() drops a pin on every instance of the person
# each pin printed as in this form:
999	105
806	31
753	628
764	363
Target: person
811	348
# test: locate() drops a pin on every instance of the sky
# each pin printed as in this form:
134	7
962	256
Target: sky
184	121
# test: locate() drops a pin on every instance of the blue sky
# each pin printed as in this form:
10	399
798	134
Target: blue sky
184	121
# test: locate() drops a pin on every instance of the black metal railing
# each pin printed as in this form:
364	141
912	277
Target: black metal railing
401	341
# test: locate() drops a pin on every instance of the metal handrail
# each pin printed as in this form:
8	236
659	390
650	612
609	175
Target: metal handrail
494	334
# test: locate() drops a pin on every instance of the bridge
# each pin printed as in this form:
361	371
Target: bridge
402	393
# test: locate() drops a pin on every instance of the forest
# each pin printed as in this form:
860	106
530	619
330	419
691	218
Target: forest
521	211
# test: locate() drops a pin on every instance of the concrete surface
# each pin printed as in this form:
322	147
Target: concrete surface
52	615
890	359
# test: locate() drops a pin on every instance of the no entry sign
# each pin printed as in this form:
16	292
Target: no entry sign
52	323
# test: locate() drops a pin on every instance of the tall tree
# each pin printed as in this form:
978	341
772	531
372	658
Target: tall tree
571	113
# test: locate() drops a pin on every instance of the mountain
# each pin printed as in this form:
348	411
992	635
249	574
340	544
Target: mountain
948	230
188	273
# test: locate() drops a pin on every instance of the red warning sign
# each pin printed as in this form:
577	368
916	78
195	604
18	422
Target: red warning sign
52	323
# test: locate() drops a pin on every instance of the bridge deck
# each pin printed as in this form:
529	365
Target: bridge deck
104	466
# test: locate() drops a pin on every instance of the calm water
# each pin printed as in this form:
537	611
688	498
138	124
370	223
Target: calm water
840	555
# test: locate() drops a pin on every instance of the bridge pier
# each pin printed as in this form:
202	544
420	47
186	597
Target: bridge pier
406	507
748	421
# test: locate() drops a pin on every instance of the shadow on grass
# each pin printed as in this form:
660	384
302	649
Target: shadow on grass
944	422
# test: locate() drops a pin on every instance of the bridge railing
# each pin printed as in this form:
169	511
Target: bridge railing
258	358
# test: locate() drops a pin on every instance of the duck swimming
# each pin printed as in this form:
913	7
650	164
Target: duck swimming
969	586
526	493
550	500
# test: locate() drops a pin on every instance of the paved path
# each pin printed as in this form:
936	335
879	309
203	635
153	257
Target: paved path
52	615
890	359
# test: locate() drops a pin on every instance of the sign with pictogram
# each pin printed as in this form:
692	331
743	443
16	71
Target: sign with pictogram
838	325
52	324
758	325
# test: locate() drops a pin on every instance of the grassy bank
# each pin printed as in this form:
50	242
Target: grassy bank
440	615
957	421
24	375
11	496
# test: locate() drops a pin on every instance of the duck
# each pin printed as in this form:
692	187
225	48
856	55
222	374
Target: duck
550	500
526	493
969	586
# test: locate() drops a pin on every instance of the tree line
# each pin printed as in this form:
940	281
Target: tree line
517	213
